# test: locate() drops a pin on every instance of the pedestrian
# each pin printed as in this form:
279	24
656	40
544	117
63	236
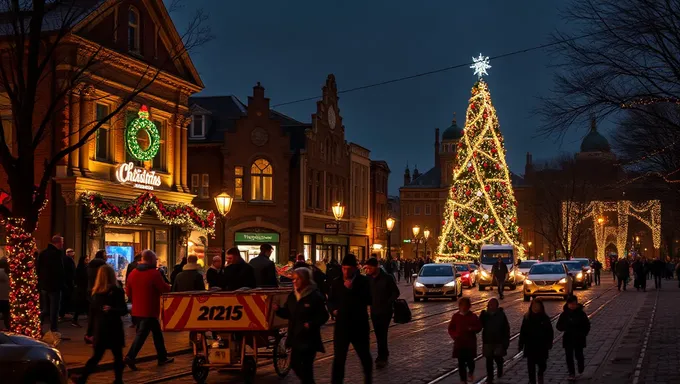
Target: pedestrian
145	286
536	340
265	269
92	270
306	312
131	267
69	282
190	279
399	267
177	269
4	292
348	300
384	292
215	274
108	306
640	273
575	324
495	337
300	262
320	279
407	271
80	301
612	264
657	268
622	273
463	329
597	271
51	281
499	272
238	274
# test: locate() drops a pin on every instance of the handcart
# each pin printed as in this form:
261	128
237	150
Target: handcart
243	326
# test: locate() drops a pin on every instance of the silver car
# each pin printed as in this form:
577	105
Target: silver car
522	270
437	281
548	279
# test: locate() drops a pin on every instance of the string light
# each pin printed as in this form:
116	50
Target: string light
142	123
649	101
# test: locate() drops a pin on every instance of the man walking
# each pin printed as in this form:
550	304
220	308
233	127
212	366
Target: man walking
237	274
51	281
190	279
265	269
622	273
499	272
657	268
145	286
597	270
384	292
69	283
347	302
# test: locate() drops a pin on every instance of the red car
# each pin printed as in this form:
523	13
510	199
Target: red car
467	275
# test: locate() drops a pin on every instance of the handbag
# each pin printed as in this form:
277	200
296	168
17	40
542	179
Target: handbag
402	313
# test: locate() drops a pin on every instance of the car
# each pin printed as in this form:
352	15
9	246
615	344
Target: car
580	276
523	268
437	281
475	269
490	253
26	360
585	263
467	275
548	279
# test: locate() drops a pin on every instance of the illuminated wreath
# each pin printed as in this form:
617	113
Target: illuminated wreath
142	123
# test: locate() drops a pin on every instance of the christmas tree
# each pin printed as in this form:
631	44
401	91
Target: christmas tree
481	207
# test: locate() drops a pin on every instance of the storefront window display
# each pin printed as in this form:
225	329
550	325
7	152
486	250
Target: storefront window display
249	244
198	245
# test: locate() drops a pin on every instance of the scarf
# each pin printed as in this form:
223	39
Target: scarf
305	291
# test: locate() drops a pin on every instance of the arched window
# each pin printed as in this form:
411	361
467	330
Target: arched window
133	30
261	187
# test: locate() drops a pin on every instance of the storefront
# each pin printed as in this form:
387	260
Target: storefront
248	243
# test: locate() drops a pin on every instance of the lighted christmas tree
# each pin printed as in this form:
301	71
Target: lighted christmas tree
481	207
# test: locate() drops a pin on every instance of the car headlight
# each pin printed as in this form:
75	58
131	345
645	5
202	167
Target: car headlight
450	284
418	285
579	275
563	280
485	274
528	282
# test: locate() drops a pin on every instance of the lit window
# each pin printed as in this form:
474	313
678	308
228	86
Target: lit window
133	30
159	159
195	185
261	180
198	126
205	186
102	134
238	183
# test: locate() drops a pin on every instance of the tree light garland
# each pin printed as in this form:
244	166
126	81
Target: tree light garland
104	211
142	123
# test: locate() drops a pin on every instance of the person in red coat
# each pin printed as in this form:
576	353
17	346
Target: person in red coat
144	287
463	329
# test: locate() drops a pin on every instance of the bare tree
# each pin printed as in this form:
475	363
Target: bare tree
40	51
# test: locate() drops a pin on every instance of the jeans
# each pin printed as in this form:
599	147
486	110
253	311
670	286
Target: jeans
531	365
570	352
97	355
657	281
381	323
597	277
144	326
466	364
49	303
302	363
501	283
362	347
489	366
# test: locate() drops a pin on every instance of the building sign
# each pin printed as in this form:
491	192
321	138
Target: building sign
339	240
407	241
246	237
128	173
332	227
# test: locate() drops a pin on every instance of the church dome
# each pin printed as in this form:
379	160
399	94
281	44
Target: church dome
594	141
452	133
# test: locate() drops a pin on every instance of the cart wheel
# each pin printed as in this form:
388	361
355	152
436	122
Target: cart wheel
198	371
249	369
281	356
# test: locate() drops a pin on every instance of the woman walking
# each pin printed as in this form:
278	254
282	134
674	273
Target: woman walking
80	301
536	340
575	324
306	312
107	306
495	338
463	329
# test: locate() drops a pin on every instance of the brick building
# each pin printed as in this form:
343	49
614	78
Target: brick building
379	211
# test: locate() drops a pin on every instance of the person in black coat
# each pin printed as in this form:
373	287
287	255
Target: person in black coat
238	274
215	274
265	269
499	272
306	312
177	269
108	306
69	282
131	267
190	279
92	271
495	337
51	280
348	300
536	340
622	273
80	291
384	292
333	271
575	324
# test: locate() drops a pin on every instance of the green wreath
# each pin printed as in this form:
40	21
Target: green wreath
144	124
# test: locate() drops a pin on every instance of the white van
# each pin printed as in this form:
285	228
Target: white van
489	255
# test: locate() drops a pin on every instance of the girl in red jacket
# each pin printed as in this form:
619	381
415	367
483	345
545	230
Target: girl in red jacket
463	329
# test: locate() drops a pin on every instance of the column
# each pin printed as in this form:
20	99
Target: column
183	160
74	124
176	153
86	121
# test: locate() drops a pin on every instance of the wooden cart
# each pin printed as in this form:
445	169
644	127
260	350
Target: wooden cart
243	326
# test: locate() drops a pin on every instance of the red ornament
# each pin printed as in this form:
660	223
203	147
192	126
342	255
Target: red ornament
443	222
514	219
473	219
519	230
498	195
449	244
469	169
494	150
456	214
468	192
476	237
516	203
487	188
144	108
504	205
485	115
485	165
491	221
474	154
453	189
498	166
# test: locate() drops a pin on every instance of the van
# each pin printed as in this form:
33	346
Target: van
489	255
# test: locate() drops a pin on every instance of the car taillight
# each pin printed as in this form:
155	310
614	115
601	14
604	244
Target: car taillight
466	275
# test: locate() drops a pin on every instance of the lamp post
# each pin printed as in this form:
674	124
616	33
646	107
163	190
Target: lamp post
338	212
416	231
223	203
529	249
389	223
426	235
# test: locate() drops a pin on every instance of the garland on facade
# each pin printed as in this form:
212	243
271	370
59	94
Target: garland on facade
105	211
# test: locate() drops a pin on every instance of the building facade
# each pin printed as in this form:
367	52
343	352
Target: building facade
379	211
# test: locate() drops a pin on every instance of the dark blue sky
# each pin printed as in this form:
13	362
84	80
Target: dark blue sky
290	47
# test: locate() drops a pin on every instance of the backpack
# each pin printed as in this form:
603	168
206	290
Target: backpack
402	313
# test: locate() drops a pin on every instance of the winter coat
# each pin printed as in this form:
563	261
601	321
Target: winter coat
495	333
190	279
80	292
239	275
622	269
575	325
384	292
499	271
597	266
92	269
51	269
69	272
265	271
351	304
108	326
176	270
639	269
536	336
463	329
658	267
144	286
310	308
320	280
214	277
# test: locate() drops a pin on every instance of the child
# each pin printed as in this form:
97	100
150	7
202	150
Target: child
463	329
535	339
495	337
575	325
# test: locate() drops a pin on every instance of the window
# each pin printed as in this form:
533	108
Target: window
102	135
159	159
261	180
416	210
195	186
428	210
238	183
205	186
133	30
319	190
198	126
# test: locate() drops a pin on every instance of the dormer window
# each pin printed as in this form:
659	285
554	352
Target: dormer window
198	126
133	30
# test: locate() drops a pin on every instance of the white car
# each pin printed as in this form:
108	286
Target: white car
548	279
523	268
437	281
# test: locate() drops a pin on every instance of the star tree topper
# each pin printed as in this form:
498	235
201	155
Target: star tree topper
481	64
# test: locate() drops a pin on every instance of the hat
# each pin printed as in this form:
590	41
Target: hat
349	260
373	262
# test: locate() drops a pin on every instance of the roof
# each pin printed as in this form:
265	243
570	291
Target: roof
594	141
429	179
517	180
452	132
58	15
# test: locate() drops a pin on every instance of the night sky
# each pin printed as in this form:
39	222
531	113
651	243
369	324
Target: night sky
290	47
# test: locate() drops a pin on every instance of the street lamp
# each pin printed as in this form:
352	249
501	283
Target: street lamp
223	203
416	231
338	212
389	223
529	248
426	235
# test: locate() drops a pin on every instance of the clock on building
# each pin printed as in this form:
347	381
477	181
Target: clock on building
331	117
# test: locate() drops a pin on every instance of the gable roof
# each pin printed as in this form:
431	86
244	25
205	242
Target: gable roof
429	179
